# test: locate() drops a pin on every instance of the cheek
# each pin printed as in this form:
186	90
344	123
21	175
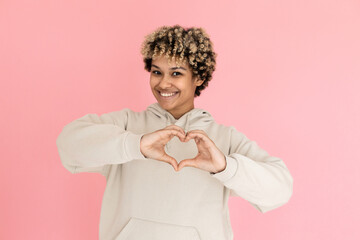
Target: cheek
152	82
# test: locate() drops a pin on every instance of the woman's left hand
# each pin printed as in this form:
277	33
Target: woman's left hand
209	158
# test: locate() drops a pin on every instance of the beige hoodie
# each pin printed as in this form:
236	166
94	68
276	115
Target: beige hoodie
146	198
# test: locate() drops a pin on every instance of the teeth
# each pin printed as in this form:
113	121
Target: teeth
167	94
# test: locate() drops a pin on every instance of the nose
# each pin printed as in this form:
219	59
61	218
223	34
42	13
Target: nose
165	82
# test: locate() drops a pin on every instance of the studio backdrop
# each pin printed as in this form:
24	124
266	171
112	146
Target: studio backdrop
287	76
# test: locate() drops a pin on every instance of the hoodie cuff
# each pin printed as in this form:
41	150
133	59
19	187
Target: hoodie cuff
132	146
228	172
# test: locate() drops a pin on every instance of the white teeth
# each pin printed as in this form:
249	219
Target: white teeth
167	94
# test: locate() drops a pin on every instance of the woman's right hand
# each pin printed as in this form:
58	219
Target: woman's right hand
152	145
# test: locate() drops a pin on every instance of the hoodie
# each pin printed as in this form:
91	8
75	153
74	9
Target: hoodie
146	198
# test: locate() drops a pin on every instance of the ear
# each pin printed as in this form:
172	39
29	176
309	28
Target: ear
198	81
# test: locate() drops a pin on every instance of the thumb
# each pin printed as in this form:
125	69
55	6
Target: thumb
186	162
172	161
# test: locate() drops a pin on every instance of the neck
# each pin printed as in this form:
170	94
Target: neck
179	113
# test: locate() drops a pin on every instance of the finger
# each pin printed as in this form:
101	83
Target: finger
202	141
172	161
199	135
187	163
173	126
174	132
197	131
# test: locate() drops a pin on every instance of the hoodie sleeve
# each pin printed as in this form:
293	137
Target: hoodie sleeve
251	173
92	142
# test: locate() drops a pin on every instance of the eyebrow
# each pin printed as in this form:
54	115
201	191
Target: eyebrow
173	68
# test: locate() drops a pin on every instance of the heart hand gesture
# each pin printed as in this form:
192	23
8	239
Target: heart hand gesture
209	158
152	144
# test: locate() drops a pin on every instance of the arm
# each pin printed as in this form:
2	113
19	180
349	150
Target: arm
251	173
92	142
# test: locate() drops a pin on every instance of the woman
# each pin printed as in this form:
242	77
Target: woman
206	162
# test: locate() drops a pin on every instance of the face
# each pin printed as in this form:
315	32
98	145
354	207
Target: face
176	83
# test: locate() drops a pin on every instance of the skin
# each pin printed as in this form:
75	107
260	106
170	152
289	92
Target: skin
165	79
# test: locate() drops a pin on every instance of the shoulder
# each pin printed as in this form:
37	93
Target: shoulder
126	112
221	127
121	116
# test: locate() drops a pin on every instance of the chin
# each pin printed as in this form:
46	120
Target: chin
163	105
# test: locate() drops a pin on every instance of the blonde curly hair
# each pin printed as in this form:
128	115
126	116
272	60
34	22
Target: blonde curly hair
191	45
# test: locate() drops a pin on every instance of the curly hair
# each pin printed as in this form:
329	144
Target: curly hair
191	45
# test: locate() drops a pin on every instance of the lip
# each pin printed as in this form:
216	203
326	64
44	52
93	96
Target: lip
167	98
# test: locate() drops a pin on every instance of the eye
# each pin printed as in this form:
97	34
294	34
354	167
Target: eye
178	73
155	72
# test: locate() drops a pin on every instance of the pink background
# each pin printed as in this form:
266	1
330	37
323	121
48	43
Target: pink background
287	76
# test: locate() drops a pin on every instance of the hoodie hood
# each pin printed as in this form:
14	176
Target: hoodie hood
196	117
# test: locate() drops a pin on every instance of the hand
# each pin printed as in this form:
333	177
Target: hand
152	145
209	158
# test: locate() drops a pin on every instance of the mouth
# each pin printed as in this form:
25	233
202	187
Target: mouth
167	96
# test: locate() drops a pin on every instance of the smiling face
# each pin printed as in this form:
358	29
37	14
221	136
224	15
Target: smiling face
176	83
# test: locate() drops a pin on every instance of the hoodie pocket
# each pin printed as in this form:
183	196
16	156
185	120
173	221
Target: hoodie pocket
144	229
